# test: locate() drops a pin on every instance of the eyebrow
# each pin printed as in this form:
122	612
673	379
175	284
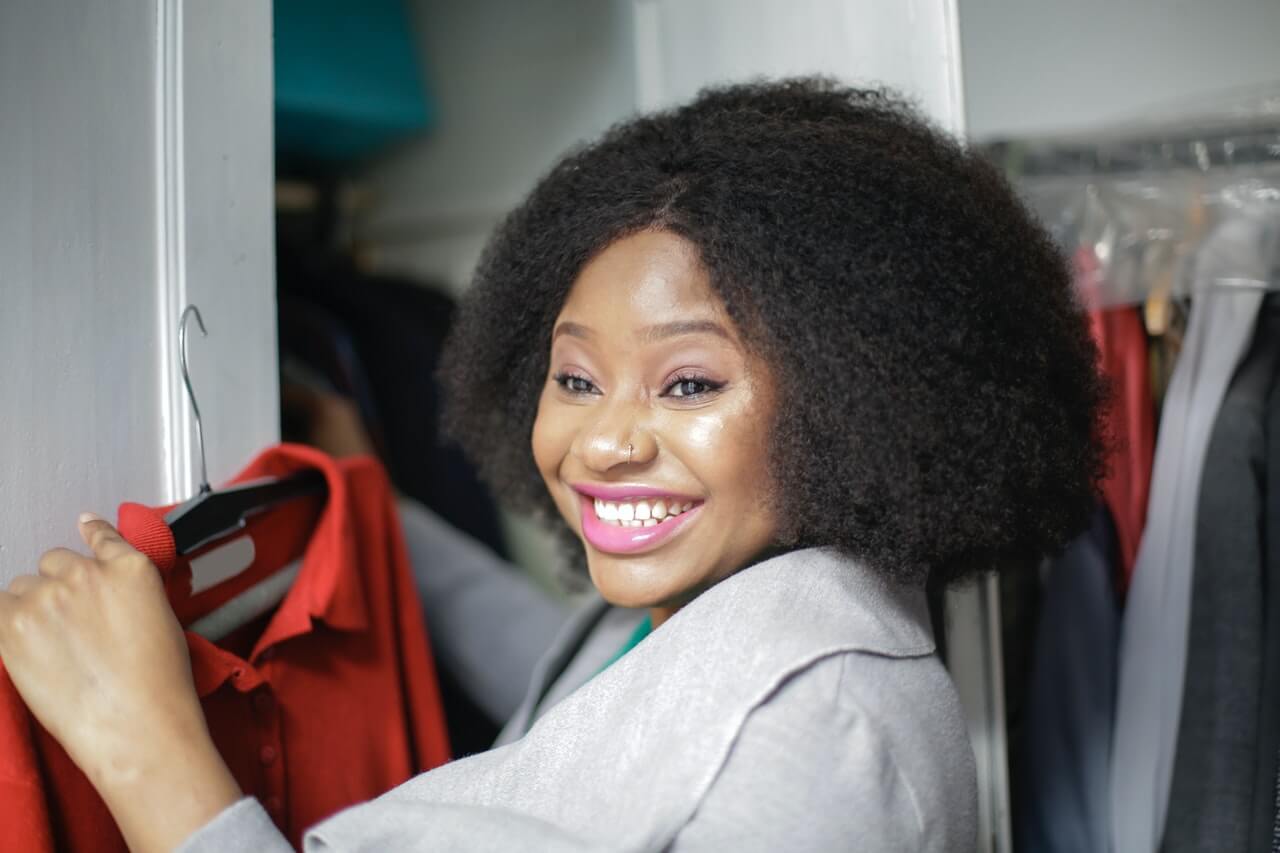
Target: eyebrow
652	333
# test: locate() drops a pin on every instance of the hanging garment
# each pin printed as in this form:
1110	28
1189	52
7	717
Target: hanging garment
378	339
398	329
1212	796
1275	823
489	624
1153	641
1130	414
797	705
316	350
1071	701
1122	344
328	701
1265	820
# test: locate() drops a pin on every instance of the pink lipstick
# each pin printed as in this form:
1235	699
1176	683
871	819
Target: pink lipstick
613	539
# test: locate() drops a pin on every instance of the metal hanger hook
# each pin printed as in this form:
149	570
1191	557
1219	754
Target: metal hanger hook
191	394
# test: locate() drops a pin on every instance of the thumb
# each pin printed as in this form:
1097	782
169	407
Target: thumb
103	539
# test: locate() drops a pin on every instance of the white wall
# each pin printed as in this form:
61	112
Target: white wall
1034	67
516	84
135	174
684	45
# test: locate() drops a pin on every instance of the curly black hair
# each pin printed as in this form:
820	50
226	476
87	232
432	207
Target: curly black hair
939	409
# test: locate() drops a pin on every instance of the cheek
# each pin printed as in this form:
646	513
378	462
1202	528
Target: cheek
726	451
739	453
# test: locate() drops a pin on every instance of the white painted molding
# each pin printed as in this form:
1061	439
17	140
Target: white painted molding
171	284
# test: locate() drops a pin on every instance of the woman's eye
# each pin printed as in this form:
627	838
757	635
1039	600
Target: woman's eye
691	387
574	384
688	388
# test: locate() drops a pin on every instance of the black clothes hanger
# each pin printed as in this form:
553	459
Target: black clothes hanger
211	515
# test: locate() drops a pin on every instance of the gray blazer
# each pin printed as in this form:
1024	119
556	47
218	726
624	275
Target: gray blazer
797	705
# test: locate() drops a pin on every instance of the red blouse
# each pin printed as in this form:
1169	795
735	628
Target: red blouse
329	700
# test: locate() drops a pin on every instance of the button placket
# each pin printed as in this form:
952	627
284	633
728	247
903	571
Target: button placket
264	704
270	753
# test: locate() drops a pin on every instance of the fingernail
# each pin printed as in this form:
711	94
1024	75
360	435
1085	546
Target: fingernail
86	517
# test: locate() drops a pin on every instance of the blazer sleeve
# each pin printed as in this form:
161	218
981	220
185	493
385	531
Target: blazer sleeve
811	770
241	826
400	826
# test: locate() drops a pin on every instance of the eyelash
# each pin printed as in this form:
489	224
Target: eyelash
563	379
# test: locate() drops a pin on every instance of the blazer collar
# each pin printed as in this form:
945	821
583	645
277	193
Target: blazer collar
807	599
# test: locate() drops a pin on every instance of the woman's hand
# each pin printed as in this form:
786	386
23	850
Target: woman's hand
94	649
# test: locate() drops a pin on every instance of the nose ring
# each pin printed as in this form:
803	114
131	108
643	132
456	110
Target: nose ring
630	449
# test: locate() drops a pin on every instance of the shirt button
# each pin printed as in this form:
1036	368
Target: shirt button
267	754
273	804
263	703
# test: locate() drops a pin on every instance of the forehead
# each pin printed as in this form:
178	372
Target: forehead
642	279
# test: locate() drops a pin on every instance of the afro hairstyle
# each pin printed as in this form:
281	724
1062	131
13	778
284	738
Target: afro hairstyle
939	401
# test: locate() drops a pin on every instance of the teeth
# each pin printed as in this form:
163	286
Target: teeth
639	513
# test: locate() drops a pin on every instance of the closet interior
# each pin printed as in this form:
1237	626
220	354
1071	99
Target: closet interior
1142	665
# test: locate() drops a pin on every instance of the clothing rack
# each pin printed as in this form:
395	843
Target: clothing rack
1143	194
1235	134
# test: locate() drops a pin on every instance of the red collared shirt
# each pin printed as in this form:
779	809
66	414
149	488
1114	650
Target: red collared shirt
328	701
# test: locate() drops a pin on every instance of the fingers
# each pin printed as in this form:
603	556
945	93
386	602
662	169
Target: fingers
61	562
8	604
23	584
103	539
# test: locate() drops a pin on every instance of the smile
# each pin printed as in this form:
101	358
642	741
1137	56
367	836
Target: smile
641	512
634	525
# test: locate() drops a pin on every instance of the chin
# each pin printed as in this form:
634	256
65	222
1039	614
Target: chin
640	581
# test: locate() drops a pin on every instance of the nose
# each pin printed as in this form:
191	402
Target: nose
617	434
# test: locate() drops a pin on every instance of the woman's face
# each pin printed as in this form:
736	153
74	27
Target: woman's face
652	426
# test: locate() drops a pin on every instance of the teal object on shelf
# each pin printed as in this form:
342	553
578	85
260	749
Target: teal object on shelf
347	79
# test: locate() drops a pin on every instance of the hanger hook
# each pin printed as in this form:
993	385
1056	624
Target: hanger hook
191	395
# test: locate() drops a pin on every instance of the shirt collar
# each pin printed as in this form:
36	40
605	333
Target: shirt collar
328	587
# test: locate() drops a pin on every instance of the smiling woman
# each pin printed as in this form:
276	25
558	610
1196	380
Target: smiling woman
768	363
